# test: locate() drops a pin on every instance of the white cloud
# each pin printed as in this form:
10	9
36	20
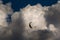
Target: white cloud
37	15
4	11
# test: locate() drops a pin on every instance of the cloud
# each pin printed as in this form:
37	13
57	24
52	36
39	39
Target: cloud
41	19
5	30
30	23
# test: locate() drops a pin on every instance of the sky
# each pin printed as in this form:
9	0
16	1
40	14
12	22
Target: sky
17	4
18	23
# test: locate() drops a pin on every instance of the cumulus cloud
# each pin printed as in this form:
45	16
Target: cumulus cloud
41	18
5	30
30	23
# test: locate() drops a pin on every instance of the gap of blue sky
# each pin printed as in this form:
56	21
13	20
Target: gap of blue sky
17	4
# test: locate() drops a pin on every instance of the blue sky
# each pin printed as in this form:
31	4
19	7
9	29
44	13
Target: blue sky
17	4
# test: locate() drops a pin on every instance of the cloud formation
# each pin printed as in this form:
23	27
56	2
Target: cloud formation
5	30
30	23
